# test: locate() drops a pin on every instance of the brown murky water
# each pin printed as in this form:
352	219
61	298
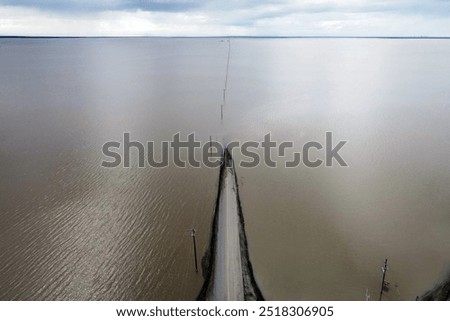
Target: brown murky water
70	229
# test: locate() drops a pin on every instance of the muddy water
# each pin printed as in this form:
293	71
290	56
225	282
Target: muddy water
70	229
323	233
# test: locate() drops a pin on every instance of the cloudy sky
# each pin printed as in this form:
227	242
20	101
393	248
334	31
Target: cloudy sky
225	17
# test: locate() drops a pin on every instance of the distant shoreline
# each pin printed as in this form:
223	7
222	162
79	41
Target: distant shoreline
236	37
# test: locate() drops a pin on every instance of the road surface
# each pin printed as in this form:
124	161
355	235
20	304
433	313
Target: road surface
227	277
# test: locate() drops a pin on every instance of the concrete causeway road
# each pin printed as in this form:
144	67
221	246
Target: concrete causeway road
227	277
226	265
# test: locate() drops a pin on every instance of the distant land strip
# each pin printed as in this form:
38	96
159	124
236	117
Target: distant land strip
233	37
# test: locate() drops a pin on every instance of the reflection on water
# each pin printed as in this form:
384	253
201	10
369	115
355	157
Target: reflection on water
70	229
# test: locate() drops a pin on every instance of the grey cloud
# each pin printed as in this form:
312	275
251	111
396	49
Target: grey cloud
337	10
283	7
103	5
405	7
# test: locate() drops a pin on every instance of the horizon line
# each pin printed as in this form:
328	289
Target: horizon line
232	36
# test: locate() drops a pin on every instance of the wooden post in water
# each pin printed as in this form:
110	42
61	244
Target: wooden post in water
195	249
384	269
221	112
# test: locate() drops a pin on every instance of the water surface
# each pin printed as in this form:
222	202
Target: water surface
70	229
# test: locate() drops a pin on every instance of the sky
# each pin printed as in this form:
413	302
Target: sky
225	18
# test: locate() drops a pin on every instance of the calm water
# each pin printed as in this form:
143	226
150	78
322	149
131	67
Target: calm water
70	229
